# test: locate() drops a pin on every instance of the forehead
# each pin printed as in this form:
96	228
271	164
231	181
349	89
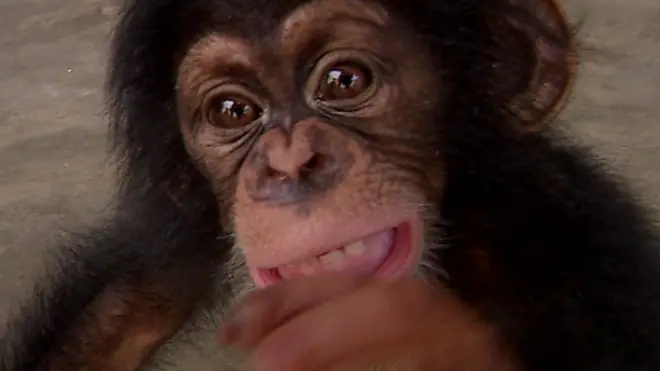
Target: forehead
260	18
285	29
288	21
317	14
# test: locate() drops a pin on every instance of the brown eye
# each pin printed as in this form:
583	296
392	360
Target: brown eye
233	112
343	81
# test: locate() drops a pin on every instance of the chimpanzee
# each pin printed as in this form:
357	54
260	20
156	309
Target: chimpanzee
348	185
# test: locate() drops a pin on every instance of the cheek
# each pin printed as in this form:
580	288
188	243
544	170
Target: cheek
214	157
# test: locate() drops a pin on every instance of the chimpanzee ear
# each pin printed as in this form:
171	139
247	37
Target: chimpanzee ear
538	49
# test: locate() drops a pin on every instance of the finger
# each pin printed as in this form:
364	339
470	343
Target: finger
260	312
393	316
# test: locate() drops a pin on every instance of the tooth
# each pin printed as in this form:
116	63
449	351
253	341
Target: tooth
332	260
356	248
307	268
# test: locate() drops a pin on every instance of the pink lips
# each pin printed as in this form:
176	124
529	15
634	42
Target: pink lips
387	253
363	256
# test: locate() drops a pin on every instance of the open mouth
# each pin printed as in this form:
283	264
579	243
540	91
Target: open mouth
390	252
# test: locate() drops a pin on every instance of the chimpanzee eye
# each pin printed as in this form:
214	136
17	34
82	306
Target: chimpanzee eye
343	81
233	112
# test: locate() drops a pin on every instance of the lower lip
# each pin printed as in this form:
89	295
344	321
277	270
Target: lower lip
398	262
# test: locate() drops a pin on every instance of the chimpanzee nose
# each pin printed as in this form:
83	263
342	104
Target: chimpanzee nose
290	169
294	163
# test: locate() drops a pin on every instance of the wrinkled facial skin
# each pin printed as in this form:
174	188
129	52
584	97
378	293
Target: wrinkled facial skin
313	135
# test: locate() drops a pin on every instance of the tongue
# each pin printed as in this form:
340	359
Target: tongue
364	257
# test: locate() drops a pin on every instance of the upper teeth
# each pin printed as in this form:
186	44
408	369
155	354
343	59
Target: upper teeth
330	261
333	259
360	254
356	248
307	267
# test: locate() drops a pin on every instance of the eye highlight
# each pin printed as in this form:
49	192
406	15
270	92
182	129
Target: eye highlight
233	111
343	81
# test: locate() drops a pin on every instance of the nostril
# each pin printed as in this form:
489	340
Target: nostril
274	174
302	171
314	164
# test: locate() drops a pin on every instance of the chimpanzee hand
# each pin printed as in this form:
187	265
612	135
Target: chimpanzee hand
346	323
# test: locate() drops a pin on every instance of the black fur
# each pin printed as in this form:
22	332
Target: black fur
574	277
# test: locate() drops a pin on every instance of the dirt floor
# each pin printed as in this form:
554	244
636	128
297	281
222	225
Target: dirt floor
52	129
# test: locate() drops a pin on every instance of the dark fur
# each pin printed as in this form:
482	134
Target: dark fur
544	241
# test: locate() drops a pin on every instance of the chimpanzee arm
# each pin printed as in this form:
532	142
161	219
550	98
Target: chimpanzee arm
110	302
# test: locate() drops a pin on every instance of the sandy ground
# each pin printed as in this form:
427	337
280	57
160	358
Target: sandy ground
52	130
